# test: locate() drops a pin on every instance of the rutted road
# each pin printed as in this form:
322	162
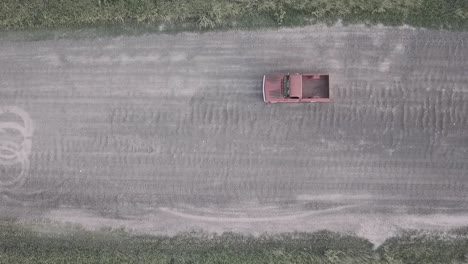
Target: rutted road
171	130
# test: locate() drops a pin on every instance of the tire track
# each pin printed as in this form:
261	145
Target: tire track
15	144
16	131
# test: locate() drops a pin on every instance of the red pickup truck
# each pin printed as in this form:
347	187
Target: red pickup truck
290	88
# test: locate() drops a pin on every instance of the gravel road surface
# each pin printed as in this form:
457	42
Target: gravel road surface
167	133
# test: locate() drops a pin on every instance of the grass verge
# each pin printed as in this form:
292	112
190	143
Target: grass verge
210	14
19	244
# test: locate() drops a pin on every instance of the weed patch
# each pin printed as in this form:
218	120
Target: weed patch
20	244
211	14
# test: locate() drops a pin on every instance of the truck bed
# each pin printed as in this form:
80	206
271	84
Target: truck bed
313	87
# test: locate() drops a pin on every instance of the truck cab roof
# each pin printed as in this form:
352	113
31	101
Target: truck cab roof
295	86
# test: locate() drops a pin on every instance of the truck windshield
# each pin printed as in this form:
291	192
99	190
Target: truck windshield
286	86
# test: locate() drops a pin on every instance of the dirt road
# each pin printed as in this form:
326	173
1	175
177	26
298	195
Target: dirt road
166	133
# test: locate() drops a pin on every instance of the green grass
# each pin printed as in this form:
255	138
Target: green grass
20	244
209	14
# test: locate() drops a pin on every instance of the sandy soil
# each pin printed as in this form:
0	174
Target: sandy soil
167	133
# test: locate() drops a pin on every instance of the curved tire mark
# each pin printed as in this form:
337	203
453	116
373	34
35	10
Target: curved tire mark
12	152
252	219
